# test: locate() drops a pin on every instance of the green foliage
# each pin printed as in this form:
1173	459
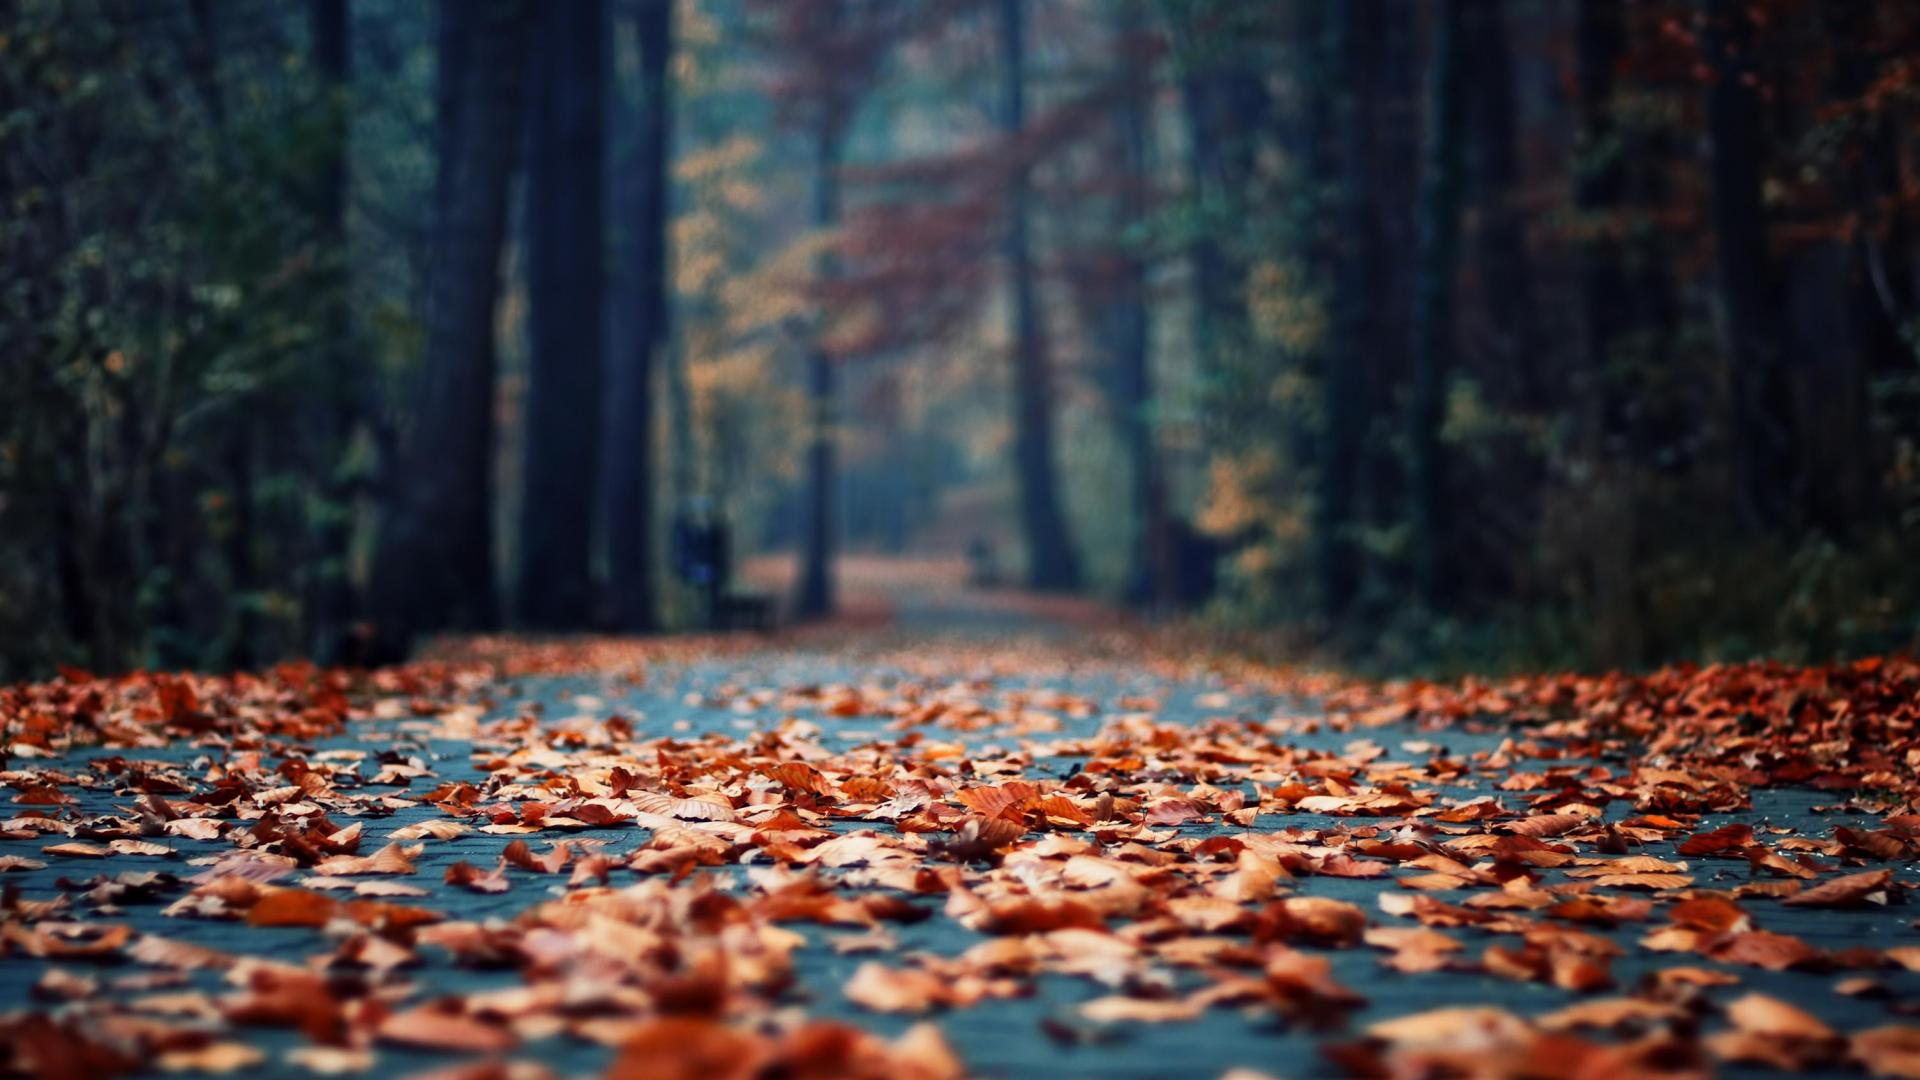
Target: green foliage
170	294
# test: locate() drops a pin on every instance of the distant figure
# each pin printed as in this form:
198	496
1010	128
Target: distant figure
983	569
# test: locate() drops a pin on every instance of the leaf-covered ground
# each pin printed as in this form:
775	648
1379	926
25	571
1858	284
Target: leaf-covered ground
1040	858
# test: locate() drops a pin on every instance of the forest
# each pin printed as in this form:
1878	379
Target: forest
925	539
1414	333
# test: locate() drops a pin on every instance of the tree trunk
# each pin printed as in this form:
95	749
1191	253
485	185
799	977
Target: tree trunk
1346	92
1748	329
1433	325
1829	385
1600	185
1152	580
435	567
243	574
815	598
1212	285
1051	562
240	629
1832	306
566	329
1501	249
630	445
1383	495
1227	108
329	601
1607	308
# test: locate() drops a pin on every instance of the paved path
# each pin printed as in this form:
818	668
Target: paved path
739	695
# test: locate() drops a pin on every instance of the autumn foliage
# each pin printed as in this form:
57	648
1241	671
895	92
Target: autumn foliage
662	888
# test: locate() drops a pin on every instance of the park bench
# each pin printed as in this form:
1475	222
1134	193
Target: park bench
745	611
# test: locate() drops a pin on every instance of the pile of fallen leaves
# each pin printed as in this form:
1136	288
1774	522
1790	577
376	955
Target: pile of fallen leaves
365	838
1848	727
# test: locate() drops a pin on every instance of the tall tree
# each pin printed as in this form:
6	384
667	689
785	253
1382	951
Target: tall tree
816	587
1226	104
1433	324
830	51
1830	304
1600	32
1607	307
1150	554
1051	562
1500	241
1345	92
1749	330
565	293
238	452
329	592
630	440
435	566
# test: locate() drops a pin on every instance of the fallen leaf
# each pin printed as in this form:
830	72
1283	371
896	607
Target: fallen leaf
1849	891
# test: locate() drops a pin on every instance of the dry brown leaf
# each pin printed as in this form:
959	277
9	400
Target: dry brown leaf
1130	1010
436	1028
1890	1051
881	988
214	1057
1765	1015
1850	891
1468	1029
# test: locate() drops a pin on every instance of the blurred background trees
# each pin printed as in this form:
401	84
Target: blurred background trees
1442	332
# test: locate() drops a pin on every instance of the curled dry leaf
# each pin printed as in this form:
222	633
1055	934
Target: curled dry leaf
1763	1015
1131	1010
331	1060
214	1057
194	828
1889	1051
1854	889
1464	1029
465	876
395	858
881	988
77	851
437	1027
431	828
1313	919
697	808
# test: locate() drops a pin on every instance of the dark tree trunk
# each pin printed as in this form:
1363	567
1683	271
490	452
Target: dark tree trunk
566	329
1501	248
238	635
329	593
1829	384
435	567
1151	575
1051	562
1433	323
203	60
1831	306
1762	443
1608	307
630	444
1213	289
815	597
243	572
1601	179
1227	108
1348	58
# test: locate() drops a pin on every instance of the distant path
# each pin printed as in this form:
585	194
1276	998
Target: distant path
931	596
